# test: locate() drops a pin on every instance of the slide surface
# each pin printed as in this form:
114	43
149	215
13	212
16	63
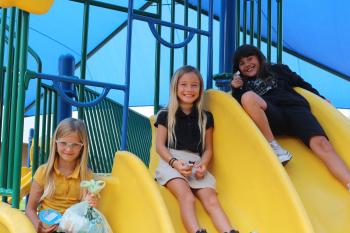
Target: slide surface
253	188
131	201
326	201
26	180
14	221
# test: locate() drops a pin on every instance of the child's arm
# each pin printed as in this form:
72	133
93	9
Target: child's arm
201	167
36	191
162	150
296	80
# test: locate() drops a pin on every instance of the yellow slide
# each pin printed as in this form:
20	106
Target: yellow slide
14	221
131	201
252	186
26	180
326	201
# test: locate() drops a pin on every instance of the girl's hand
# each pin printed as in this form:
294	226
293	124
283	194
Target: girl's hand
92	199
183	168
201	169
237	81
42	229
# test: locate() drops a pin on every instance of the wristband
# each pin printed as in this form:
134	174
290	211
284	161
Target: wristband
171	162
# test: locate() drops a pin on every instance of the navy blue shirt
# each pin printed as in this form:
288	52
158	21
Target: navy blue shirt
186	129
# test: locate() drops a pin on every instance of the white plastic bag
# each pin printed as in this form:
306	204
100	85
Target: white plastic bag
76	220
82	218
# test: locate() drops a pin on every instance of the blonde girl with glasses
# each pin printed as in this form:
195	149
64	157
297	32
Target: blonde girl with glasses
56	184
184	143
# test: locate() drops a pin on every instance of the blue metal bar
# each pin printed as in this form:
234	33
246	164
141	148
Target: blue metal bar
168	44
127	75
57	80
66	67
167	24
228	38
75	80
210	47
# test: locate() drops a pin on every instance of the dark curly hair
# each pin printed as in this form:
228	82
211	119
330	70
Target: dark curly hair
250	50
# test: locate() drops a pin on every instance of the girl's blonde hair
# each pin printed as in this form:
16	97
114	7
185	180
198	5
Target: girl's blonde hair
64	128
173	105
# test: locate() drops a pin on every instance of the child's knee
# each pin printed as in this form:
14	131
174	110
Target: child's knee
321	143
188	198
248	99
211	202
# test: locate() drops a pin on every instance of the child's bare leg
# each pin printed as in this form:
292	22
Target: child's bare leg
255	106
211	204
324	150
183	193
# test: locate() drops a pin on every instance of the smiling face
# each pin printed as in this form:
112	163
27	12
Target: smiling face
188	89
69	147
249	66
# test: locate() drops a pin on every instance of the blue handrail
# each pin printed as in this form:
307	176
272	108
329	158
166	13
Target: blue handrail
57	80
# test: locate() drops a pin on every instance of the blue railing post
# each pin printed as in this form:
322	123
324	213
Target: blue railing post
30	140
227	35
66	66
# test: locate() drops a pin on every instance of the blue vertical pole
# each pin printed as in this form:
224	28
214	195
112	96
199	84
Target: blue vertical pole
227	34
30	139
127	74
210	47
66	64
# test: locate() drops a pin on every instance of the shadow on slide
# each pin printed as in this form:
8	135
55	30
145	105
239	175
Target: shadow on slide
252	186
131	201
326	201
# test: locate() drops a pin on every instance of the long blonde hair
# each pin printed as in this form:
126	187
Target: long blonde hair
173	105
66	127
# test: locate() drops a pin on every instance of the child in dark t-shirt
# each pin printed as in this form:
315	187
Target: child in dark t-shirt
184	144
266	93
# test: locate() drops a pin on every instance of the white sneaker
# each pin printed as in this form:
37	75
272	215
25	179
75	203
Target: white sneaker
283	155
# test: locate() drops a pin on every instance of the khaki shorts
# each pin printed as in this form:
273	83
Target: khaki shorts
165	172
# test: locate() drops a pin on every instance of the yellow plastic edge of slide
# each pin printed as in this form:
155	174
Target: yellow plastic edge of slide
131	201
14	221
31	6
253	187
325	199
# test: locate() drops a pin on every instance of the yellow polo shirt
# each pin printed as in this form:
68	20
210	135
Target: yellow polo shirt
67	189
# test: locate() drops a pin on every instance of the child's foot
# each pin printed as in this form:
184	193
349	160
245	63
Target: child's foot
283	155
232	231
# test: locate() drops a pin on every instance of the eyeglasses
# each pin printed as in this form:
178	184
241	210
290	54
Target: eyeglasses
72	145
